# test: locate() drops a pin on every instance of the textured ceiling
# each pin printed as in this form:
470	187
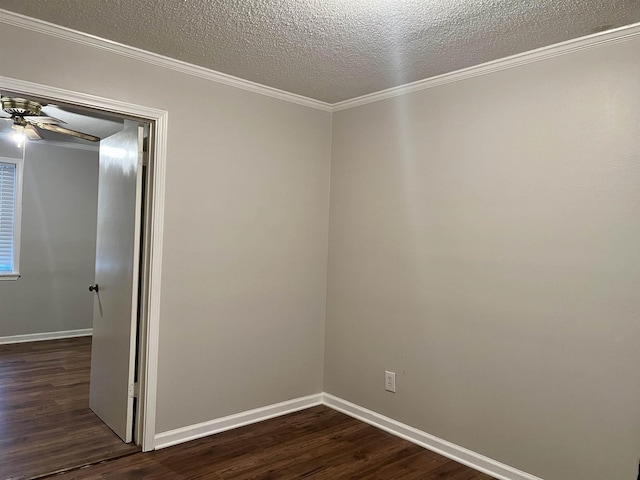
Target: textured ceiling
333	50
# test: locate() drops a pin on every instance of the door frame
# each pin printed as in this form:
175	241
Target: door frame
153	228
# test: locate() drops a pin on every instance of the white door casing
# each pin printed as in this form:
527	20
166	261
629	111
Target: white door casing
115	312
158	148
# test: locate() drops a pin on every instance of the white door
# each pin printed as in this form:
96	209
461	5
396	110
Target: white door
115	310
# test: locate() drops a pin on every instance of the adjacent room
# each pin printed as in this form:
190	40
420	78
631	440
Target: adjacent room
383	239
47	317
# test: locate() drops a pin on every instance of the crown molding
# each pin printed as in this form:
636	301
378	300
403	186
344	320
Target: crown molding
570	46
72	145
40	26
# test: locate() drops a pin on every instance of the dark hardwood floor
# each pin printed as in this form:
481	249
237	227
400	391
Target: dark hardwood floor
46	427
318	443
45	422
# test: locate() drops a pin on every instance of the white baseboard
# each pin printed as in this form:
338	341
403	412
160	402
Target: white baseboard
428	441
413	435
37	337
199	430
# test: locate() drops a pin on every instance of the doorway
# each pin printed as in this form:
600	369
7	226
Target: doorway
150	247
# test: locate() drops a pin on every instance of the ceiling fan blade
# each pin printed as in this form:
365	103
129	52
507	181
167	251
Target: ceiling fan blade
37	119
7	118
66	131
32	133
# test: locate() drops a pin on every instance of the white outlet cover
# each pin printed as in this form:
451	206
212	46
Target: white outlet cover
390	381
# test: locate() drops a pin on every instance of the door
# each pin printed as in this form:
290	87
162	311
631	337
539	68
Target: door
115	310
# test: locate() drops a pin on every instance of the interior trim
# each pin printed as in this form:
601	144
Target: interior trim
199	430
149	386
40	26
616	35
430	442
73	145
38	337
570	46
425	440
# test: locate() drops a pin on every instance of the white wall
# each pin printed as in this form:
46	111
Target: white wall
58	243
246	226
484	245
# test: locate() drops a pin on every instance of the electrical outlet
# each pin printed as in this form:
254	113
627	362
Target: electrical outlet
390	381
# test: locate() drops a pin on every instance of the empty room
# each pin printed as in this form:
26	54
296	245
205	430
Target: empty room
369	239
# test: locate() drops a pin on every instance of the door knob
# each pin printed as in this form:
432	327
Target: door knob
94	288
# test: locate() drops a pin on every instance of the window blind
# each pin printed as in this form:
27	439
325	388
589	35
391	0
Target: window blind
8	179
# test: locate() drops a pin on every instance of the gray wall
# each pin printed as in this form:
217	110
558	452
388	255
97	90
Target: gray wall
484	244
246	226
58	243
8	149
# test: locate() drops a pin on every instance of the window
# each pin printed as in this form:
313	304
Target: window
10	206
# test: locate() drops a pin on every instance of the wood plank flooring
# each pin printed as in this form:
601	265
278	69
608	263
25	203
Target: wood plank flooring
317	443
46	426
45	421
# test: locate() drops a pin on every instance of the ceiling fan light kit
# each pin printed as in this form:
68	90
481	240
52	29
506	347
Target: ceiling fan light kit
18	135
26	117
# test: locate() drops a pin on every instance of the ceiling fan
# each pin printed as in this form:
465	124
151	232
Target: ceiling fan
27	119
